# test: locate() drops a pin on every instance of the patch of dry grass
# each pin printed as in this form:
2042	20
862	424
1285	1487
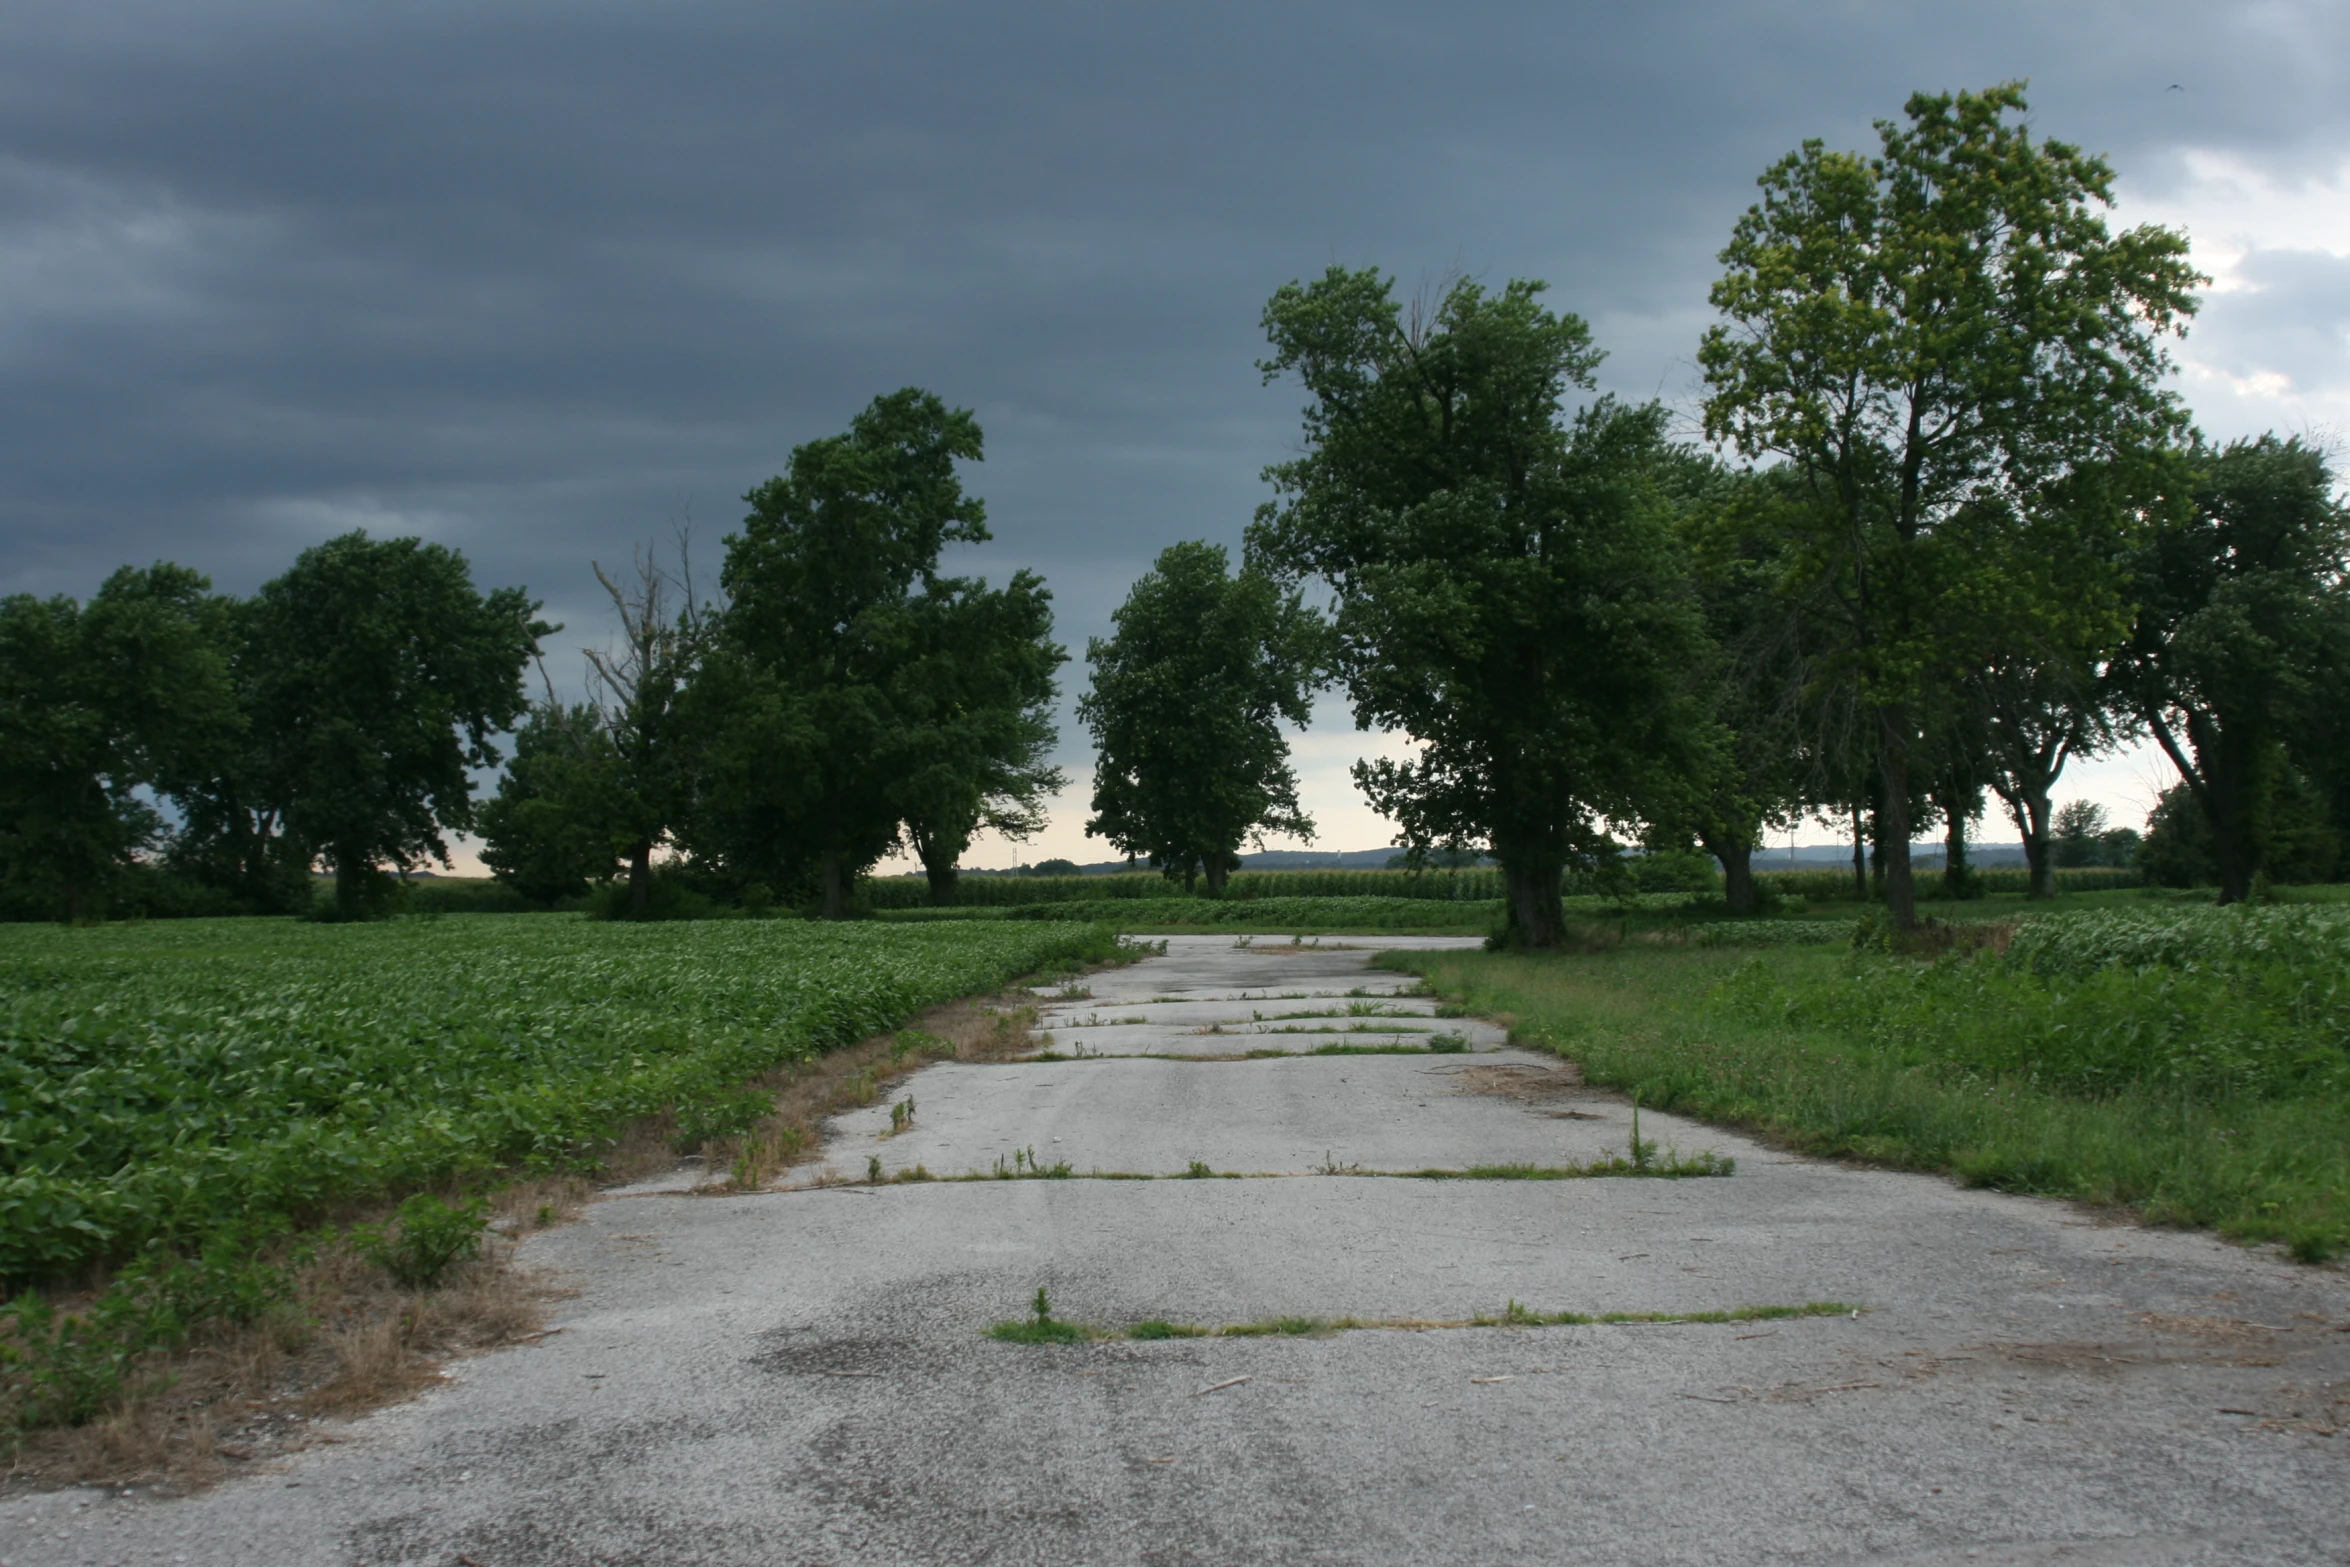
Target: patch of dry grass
1528	1083
347	1341
807	1093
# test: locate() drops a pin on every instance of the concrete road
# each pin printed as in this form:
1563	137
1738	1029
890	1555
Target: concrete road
801	1377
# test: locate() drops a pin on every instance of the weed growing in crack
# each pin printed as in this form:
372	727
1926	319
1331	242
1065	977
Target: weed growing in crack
901	1115
760	1156
873	1167
1448	1044
1330	1166
1145	1332
1287	1327
1025	1166
1673	1167
1040	1326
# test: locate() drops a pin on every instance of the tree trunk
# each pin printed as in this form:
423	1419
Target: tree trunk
2222	785
1893	820
2229	788
2036	856
835	896
1737	857
640	879
2036	847
1535	918
1954	849
1218	867
350	885
1860	861
942	876
73	898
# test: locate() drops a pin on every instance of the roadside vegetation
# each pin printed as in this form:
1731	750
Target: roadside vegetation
196	1108
2188	1064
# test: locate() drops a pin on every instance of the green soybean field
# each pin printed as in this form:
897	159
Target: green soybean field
164	1083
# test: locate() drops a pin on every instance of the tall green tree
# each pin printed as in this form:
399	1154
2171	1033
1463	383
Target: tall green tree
1507	587
637	690
1931	337
2242	640
1753	679
2043	709
596	787
1186	707
98	700
231	835
547	831
812	731
979	696
2035	686
379	676
2082	836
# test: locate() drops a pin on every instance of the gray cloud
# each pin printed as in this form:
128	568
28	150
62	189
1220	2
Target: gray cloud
526	277
2292	318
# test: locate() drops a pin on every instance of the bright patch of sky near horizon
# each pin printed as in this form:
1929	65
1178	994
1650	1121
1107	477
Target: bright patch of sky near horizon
530	279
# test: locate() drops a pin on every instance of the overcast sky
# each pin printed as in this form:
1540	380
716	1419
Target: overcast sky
532	280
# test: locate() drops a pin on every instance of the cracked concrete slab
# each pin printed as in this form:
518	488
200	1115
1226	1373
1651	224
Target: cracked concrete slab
801	1377
1228	996
1291	1115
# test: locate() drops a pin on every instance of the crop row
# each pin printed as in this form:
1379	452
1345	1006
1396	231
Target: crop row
159	1083
2211	1001
2314	939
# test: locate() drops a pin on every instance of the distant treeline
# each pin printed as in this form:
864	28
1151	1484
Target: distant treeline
1679	873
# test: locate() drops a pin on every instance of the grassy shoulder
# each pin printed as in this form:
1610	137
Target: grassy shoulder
2096	1087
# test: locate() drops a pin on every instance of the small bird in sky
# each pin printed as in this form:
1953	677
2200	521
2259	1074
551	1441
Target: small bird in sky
2174	87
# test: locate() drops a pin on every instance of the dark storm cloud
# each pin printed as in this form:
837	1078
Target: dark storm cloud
524	278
